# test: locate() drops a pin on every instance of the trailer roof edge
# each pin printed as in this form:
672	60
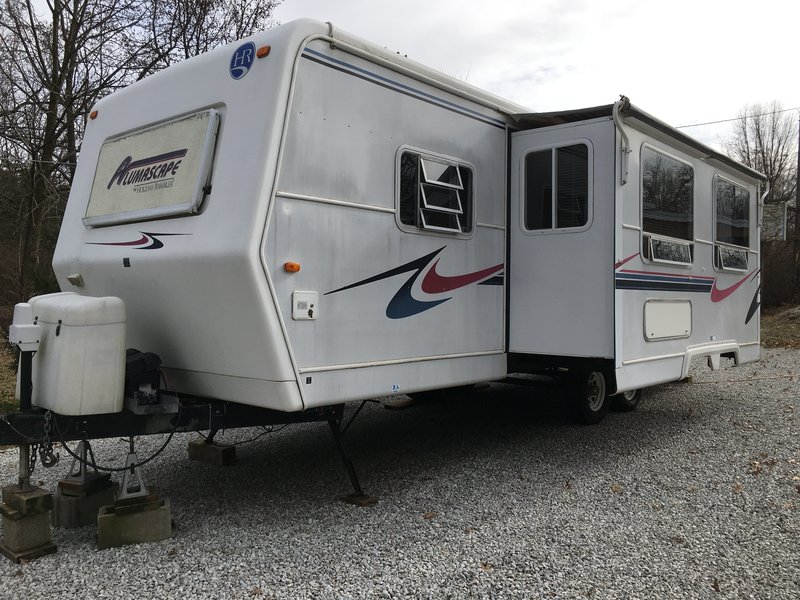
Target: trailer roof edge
535	120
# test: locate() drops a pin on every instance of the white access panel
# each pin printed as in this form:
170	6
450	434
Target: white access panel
667	319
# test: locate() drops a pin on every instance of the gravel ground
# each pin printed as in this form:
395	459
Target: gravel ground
696	494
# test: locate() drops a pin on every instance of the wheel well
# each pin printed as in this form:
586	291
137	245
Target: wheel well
554	365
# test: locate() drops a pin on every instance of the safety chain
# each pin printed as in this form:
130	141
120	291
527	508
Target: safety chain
46	454
32	459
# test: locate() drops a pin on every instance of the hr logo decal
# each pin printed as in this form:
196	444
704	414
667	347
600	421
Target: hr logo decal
242	60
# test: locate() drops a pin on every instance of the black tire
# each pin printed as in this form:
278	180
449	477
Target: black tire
588	395
626	401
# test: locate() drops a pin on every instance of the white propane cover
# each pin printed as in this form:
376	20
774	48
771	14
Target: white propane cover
80	366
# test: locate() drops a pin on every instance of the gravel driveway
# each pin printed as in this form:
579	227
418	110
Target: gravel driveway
696	494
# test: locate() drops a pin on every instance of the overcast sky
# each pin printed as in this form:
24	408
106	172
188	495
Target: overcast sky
684	61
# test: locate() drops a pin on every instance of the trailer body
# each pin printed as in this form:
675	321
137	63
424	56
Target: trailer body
303	219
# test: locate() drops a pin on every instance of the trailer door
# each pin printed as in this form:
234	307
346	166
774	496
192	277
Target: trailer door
561	272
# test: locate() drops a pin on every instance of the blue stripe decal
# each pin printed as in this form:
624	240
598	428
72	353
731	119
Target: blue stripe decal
664	283
667	278
309	53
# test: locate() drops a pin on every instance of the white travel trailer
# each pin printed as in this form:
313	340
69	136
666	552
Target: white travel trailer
304	218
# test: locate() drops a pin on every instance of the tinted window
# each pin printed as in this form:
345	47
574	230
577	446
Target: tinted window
733	213
667	196
568	199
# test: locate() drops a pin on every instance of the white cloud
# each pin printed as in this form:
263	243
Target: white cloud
685	61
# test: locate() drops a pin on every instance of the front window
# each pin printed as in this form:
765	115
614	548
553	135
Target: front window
667	208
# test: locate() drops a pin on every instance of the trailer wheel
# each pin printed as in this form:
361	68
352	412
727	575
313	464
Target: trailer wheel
626	401
588	396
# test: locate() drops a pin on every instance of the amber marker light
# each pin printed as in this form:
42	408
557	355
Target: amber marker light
93	115
291	267
263	51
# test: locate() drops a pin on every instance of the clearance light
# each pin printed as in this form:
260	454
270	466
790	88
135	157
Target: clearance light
263	51
291	267
93	115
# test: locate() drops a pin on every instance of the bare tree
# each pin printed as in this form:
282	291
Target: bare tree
54	67
176	30
765	137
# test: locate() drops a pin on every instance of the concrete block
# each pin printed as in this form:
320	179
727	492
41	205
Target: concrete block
71	511
28	502
84	487
149	525
27	537
212	454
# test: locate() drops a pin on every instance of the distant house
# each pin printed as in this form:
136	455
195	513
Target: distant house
778	221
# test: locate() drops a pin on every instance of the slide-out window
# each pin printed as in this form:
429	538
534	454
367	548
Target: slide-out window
435	193
557	188
667	208
732	233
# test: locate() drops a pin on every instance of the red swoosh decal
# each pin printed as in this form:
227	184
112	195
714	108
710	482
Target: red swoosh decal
433	283
142	240
718	295
624	260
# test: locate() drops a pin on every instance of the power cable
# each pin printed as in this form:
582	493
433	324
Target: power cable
775	112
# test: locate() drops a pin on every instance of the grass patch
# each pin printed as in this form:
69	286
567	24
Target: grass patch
8	378
780	328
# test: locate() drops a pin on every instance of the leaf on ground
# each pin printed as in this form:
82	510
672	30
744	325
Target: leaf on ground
487	566
430	514
616	488
738	487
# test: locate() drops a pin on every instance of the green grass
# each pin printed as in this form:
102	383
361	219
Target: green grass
8	378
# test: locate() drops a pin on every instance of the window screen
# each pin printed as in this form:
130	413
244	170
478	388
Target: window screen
435	193
568	199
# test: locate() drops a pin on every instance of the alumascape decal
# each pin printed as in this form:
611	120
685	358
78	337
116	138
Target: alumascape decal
148	241
150	169
403	304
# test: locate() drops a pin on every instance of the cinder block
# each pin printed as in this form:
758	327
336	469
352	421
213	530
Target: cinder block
71	511
26	523
27	533
28	502
114	530
212	454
